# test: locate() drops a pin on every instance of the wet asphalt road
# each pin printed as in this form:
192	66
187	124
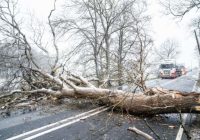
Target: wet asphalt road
184	83
106	125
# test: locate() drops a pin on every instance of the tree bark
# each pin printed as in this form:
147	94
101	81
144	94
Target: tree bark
140	104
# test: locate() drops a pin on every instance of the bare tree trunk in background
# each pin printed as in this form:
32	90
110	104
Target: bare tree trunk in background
96	47
198	46
107	58
54	67
141	64
120	59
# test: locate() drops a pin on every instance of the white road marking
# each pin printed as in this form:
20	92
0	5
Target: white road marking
64	125
59	123
180	131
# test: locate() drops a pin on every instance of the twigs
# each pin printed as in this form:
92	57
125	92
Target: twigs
7	95
141	133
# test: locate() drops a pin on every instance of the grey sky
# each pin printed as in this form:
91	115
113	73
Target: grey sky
163	27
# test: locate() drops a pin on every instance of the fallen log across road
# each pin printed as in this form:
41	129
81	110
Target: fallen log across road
155	101
151	102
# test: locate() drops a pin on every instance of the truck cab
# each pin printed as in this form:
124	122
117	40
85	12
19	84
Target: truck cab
168	69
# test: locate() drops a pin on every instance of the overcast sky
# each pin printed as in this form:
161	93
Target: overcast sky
163	27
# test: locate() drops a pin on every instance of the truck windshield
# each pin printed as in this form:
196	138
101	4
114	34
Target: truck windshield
166	66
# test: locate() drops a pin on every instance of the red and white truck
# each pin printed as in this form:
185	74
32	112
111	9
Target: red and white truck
169	69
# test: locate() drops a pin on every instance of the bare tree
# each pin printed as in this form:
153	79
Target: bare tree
87	27
12	29
137	67
18	50
168	50
179	9
103	27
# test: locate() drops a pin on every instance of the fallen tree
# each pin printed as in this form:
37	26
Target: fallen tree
21	66
153	101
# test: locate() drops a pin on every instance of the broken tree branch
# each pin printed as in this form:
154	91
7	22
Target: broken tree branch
141	133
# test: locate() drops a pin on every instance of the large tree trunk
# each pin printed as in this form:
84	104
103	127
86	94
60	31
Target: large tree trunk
153	101
142	104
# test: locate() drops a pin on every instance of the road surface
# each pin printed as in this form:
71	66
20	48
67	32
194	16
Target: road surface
89	122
